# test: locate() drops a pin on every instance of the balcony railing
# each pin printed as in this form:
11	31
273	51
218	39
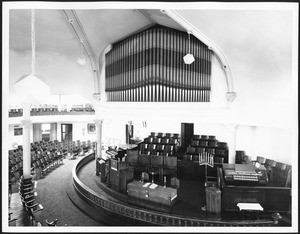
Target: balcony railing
53	111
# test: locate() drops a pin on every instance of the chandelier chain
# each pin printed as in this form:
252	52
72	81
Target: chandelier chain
32	41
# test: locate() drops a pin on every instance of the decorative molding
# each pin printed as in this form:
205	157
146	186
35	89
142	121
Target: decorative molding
97	96
26	123
231	96
98	122
211	45
79	32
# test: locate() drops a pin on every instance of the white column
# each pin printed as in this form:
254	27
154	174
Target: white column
26	148
99	123
232	143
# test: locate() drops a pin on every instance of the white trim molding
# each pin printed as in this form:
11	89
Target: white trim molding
211	45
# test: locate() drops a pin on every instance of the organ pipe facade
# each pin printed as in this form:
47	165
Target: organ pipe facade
149	67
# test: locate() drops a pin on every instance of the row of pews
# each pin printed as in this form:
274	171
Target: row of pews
156	156
46	156
28	198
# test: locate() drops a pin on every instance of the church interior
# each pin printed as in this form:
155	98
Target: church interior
150	115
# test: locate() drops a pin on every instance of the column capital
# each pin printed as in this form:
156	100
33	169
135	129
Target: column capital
26	123
98	121
97	97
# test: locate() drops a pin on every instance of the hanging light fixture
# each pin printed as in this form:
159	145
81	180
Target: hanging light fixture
189	58
29	88
81	60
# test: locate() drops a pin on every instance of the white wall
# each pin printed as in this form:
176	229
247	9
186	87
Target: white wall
18	139
258	44
80	132
273	143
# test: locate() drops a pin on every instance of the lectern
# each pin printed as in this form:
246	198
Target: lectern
119	175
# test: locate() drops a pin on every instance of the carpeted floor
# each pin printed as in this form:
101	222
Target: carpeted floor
52	194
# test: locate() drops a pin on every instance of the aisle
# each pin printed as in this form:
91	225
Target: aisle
51	193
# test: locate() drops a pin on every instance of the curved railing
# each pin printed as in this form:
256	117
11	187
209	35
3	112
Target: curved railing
147	216
12	114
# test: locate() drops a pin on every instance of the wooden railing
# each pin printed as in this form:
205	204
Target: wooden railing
146	216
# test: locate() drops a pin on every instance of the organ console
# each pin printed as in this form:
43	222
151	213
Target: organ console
244	183
116	153
245	174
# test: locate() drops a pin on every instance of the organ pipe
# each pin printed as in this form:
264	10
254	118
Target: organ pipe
149	67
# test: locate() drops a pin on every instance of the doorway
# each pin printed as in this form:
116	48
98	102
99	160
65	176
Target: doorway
46	132
66	132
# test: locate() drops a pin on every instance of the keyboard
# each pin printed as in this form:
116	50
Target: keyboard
245	177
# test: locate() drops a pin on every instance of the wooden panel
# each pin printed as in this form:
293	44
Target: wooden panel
160	198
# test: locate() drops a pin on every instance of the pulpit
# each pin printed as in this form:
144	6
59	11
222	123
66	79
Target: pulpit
119	175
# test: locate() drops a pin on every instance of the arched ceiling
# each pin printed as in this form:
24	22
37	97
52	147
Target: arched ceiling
58	47
257	43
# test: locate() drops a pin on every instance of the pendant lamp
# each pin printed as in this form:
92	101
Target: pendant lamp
30	89
189	58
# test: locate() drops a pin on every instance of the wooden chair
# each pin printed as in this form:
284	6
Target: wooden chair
148	140
145	177
279	174
175	183
143	164
157	140
270	165
176	136
156	166
195	143
190	151
196	137
144	148
169	149
160	148
165	141
288	173
260	160
170	166
133	157
153	148
52	223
